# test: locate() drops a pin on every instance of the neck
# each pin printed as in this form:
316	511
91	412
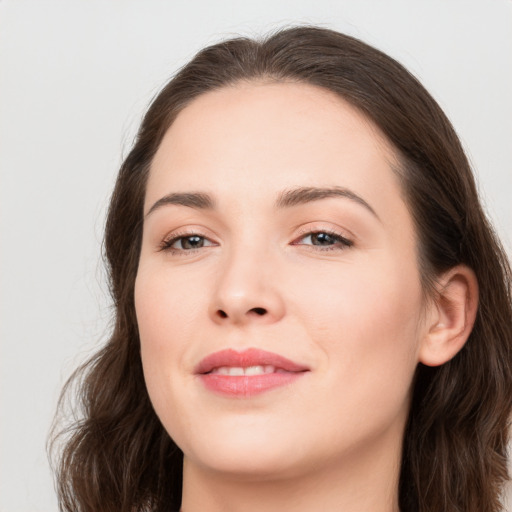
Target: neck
360	483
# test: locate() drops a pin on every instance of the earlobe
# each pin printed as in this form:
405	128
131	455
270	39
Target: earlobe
454	314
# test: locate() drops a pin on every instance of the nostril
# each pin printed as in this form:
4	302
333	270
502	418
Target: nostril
257	311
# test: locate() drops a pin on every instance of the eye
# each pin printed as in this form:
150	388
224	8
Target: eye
185	243
324	240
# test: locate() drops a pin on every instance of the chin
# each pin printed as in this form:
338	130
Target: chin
249	466
247	454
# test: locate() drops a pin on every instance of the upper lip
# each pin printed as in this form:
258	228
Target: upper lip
246	358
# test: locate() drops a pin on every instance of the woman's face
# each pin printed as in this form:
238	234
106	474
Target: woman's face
278	295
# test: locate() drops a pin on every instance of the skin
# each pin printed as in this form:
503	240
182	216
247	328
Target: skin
354	314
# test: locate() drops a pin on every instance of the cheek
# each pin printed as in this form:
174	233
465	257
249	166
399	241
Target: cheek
366	328
171	309
166	307
365	320
162	323
377	296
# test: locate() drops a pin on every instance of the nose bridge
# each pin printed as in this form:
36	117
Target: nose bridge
245	290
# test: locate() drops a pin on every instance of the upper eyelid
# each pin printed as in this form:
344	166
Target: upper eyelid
184	232
314	227
172	238
175	234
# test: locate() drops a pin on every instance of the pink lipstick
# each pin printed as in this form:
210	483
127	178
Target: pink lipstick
247	373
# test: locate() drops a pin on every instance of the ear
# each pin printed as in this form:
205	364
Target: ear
452	316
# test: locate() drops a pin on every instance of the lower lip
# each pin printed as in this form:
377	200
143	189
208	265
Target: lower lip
248	385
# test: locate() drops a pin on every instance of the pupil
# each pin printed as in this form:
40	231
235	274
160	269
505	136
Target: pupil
322	239
192	242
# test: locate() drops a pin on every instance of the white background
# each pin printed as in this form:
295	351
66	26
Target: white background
75	76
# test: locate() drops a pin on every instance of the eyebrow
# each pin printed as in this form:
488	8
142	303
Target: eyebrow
197	200
286	199
302	195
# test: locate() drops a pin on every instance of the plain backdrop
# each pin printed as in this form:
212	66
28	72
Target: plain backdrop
75	77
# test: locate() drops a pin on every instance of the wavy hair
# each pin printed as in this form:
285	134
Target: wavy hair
117	455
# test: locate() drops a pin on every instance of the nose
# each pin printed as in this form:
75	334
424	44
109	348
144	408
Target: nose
247	290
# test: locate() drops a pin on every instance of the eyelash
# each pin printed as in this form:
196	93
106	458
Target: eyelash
166	244
344	243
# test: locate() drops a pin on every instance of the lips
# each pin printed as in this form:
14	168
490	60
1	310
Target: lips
244	374
248	358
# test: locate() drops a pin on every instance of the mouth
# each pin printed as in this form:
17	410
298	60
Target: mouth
238	371
247	373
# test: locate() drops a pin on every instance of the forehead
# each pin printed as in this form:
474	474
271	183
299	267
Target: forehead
253	138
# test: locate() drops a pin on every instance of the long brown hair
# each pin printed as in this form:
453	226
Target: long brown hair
118	457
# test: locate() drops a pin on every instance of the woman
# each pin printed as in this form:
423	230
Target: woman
312	311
